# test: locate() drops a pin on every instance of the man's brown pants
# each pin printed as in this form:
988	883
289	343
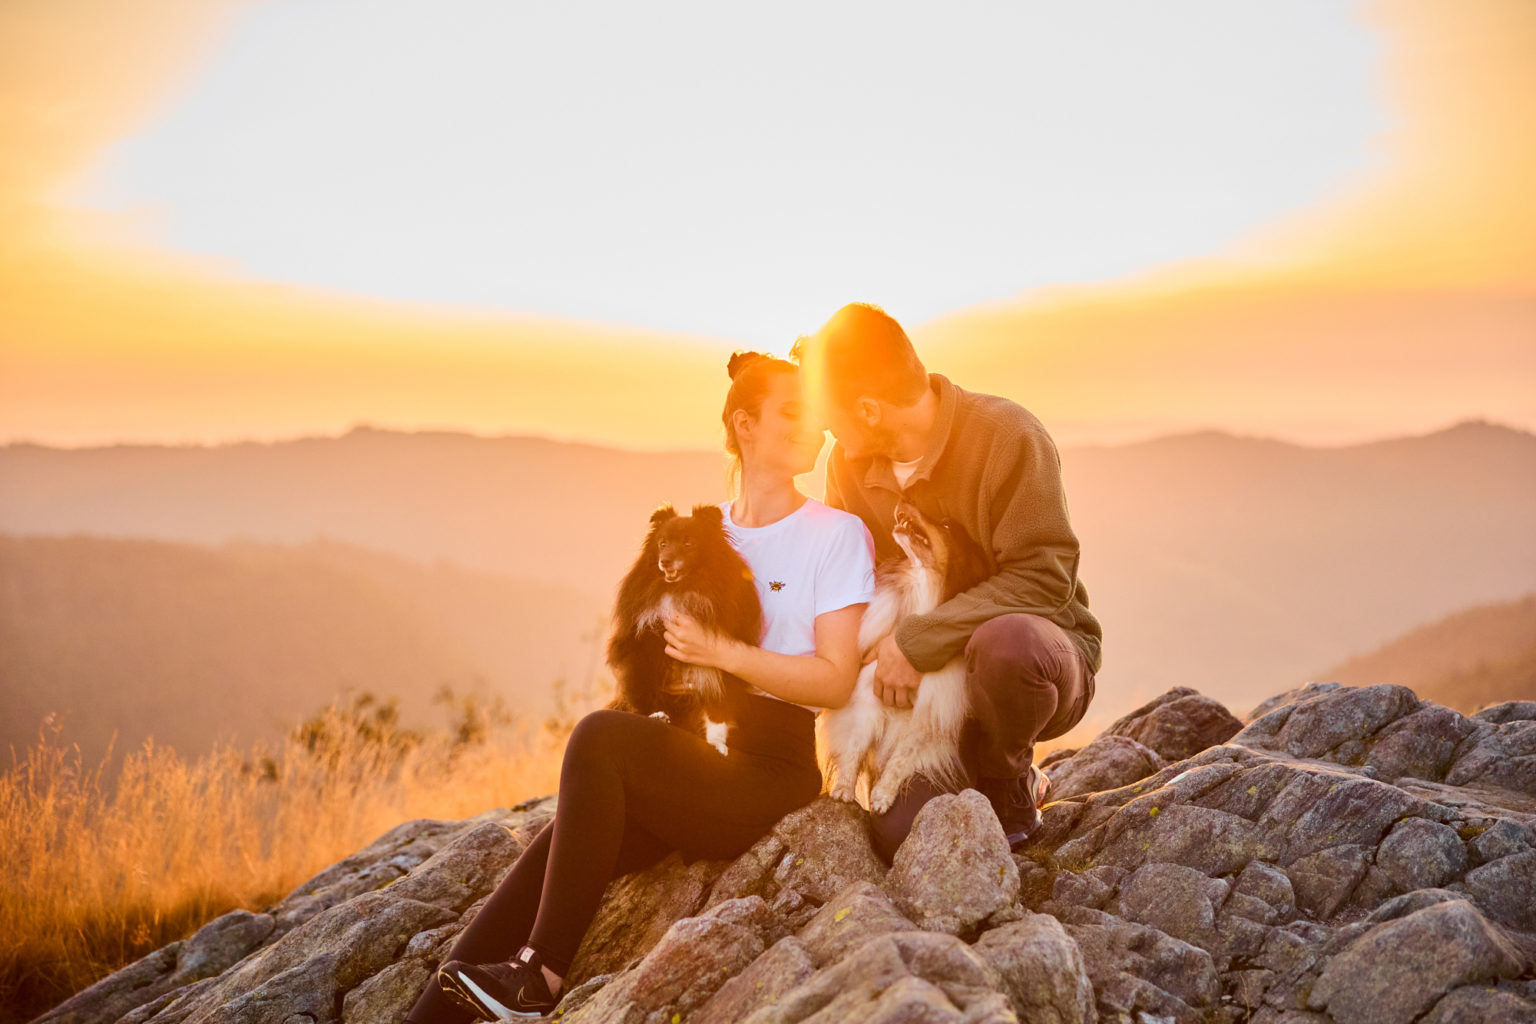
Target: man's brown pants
1028	681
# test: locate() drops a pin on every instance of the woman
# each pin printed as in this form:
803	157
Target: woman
633	788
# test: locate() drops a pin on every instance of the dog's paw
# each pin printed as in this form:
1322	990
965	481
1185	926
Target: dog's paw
883	795
661	715
843	791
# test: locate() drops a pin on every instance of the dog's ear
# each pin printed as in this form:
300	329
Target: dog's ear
710	515
662	514
967	562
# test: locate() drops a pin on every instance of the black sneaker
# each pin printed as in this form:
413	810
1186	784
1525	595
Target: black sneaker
513	990
1017	803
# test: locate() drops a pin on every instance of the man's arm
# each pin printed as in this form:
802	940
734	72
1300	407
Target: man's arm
1036	551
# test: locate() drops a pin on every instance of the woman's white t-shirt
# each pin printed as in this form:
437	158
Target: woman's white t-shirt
816	559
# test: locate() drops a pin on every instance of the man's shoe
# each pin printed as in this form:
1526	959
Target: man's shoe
1017	803
504	991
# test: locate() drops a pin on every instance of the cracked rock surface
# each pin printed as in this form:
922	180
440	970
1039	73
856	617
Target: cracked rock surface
1342	855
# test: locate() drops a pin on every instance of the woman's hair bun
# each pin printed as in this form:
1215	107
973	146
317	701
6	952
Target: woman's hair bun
741	360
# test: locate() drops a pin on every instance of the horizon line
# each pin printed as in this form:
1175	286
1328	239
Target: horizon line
365	427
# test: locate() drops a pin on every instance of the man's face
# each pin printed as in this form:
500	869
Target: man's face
854	429
858	438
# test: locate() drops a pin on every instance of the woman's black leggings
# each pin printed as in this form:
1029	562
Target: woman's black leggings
632	789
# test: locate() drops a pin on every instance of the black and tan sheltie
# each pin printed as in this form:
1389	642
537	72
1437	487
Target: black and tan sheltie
687	564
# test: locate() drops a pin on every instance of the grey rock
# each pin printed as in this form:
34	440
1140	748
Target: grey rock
1294	696
1352	850
1178	724
783	967
843	991
815	830
1410	902
1267	883
1398	969
1321	809
638	909
1247	988
389	994
850	919
1137	969
1174	899
1481	1004
1421	744
895	977
955	869
1505	889
1314	727
755	914
168	1000
1324	880
212	948
966	978
465	868
1504	756
1500	839
391	856
1109	762
818	850
1211	841
1042	970
695	957
1087	889
147	978
1419	854
1508	711
306	970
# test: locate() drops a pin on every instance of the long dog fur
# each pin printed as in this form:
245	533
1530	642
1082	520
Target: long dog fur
890	745
713	583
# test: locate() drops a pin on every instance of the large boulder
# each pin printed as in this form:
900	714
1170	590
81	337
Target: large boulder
1350	854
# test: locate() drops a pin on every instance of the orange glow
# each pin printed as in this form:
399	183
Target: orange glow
1405	304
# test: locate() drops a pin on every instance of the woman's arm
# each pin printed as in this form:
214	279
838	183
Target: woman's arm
824	679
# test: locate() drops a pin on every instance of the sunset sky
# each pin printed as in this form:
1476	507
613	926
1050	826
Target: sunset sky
221	220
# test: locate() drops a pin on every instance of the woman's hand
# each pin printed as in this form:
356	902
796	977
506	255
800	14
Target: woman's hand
690	642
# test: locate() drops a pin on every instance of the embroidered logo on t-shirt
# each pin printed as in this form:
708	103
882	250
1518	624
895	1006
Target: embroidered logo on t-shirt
775	585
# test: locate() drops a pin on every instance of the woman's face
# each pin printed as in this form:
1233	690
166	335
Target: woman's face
784	440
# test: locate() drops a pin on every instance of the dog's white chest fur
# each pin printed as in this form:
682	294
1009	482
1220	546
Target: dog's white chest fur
715	733
890	745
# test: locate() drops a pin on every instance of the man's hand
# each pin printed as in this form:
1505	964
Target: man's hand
895	680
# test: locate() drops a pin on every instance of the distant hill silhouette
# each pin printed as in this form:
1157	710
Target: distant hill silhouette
186	642
1236	565
1240	565
551	511
1468	660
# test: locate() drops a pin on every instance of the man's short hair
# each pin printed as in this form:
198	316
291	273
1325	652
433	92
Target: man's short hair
862	350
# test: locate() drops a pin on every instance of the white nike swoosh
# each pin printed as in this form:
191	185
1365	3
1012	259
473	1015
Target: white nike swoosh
494	1005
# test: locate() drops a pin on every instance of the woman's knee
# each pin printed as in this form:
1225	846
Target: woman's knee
599	731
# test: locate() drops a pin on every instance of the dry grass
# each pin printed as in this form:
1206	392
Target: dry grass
97	873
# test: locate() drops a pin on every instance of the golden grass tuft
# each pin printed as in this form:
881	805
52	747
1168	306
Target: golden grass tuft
96	874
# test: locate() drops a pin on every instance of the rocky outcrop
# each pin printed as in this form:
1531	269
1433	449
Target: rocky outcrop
1345	855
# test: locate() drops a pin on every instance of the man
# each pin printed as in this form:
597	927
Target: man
1031	646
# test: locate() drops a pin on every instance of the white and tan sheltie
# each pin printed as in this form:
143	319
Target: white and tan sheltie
889	745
